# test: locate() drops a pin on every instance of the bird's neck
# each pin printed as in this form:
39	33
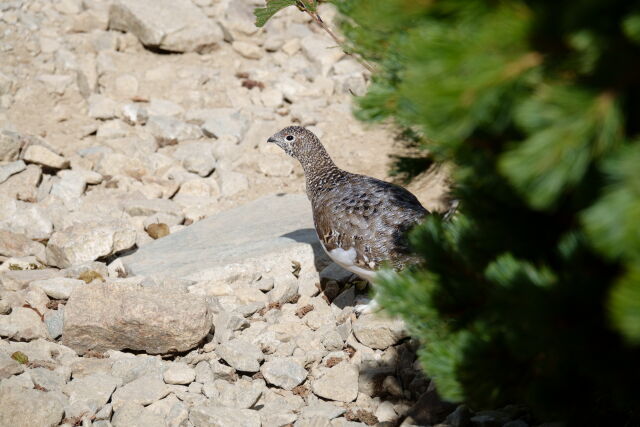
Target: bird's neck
320	172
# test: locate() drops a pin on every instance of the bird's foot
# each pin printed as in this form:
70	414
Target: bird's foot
365	305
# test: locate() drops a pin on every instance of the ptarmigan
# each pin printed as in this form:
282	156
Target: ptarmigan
361	221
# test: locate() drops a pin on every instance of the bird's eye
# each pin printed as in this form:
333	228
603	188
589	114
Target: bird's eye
289	138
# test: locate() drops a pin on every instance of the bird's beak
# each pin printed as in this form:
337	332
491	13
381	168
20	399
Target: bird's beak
272	139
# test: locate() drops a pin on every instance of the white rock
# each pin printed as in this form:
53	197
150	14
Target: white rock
9	367
172	25
322	409
11	169
22	324
89	393
28	407
241	355
168	130
135	415
89	241
10	144
275	165
220	122
126	86
135	114
23	185
196	157
101	107
179	373
272	97
214	415
338	383
232	183
241	394
43	156
57	287
19	245
323	51
285	373
143	391
144	207
378	332
56	84
246	49
163	107
70	186
112	129
29	219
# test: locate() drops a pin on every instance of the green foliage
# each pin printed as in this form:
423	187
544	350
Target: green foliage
263	14
532	293
20	357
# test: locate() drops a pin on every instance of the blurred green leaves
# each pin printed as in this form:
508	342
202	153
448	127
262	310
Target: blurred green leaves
263	14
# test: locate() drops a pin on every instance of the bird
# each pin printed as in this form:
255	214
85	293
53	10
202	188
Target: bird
361	222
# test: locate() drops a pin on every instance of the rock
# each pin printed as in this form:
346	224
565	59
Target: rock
23	185
169	130
56	84
321	409
221	122
18	245
210	415
232	183
100	317
196	157
135	415
461	417
246	49
144	207
112	129
54	322
27	407
43	156
163	107
241	355
179	373
135	114
22	324
16	280
9	367
11	169
85	242
379	332
10	145
429	409
142	391
275	165
242	394
126	86
57	287
28	219
101	107
322	51
90	393
272	97
177	26
282	372
238	244
70	186
386	413
338	383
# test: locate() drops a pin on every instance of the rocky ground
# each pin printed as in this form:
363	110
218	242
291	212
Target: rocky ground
123	122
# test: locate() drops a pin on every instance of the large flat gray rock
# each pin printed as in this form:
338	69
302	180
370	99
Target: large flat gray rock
261	237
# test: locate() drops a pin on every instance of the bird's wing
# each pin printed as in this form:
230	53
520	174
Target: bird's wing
369	216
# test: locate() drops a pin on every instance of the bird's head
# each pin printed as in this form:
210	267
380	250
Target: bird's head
296	141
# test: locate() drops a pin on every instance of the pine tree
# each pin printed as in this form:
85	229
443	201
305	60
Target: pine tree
532	293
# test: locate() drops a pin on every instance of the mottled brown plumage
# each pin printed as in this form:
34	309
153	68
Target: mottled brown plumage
361	221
